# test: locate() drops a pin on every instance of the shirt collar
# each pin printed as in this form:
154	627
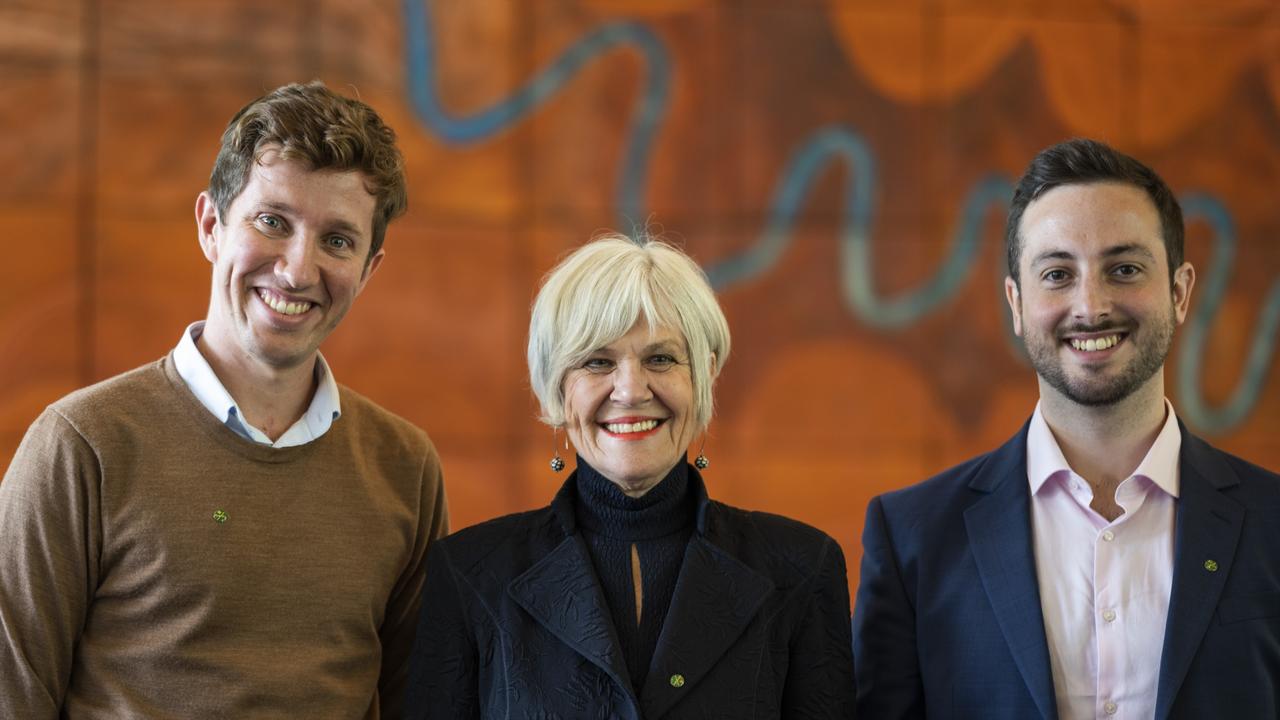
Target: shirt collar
196	372
1160	465
1044	456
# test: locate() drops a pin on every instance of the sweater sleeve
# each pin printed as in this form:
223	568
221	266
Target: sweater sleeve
50	536
400	621
820	681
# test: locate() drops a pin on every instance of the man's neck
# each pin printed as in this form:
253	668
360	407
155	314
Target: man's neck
1105	444
270	398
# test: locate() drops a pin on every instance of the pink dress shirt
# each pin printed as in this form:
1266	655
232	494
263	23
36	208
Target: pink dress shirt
1104	587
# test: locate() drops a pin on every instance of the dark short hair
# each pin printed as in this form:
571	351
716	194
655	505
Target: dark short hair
315	125
1082	161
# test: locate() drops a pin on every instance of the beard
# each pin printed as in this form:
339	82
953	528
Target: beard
1094	390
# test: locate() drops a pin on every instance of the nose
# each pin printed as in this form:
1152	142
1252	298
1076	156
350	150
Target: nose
630	384
1092	301
296	266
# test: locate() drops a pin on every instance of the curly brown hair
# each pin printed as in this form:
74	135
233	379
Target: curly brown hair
313	124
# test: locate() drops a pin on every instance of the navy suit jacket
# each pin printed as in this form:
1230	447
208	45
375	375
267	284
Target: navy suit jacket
947	622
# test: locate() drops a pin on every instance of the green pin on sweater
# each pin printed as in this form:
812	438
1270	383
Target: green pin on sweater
219	516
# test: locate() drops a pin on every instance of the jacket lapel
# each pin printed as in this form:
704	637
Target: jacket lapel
560	591
999	528
716	597
1208	529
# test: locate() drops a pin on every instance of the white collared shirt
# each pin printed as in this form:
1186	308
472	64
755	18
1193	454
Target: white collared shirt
1104	586
204	384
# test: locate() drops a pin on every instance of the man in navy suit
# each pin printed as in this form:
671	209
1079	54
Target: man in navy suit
1104	562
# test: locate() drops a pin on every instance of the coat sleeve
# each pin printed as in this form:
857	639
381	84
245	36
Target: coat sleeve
50	537
884	630
398	627
443	672
820	678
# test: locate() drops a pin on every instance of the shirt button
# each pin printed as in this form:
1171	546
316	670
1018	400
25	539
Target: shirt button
1108	615
1109	708
1108	536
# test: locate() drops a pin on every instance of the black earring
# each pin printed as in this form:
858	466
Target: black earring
557	462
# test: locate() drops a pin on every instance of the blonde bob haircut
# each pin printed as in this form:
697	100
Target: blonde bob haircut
600	291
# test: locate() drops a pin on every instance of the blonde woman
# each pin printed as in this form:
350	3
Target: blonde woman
632	595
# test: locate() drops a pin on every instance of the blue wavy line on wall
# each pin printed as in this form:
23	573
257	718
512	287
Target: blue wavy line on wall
424	95
840	144
1196	338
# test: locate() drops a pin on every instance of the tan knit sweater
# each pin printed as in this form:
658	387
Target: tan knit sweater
154	564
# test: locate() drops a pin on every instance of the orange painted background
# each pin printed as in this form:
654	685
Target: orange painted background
840	168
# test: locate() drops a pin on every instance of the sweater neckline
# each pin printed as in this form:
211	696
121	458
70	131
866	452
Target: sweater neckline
223	435
602	508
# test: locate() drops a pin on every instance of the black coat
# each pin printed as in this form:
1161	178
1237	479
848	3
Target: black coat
514	624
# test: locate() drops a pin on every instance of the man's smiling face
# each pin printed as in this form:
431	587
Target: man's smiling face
288	260
1094	305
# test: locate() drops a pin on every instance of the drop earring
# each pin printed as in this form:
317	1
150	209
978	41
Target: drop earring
557	462
701	462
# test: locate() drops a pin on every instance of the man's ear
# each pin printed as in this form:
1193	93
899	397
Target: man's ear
206	225
1011	294
370	268
1184	278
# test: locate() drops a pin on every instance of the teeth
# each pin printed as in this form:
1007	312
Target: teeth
282	307
642	426
1095	344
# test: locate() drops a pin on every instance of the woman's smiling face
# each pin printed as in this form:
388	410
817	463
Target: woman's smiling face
629	407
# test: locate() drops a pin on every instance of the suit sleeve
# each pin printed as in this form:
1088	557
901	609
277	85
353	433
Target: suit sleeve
399	623
49	546
884	630
820	679
443	672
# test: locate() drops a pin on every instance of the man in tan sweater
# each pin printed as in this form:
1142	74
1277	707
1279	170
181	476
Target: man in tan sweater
227	532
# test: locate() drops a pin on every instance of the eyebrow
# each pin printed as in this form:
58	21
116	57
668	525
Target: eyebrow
1128	249
1111	252
273	205
670	346
1052	255
667	345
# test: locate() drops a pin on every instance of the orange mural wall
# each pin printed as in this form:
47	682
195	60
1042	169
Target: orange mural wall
841	169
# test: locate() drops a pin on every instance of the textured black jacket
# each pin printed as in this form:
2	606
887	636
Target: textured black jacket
514	624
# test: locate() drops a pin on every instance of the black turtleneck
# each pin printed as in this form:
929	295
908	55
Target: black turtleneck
659	524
